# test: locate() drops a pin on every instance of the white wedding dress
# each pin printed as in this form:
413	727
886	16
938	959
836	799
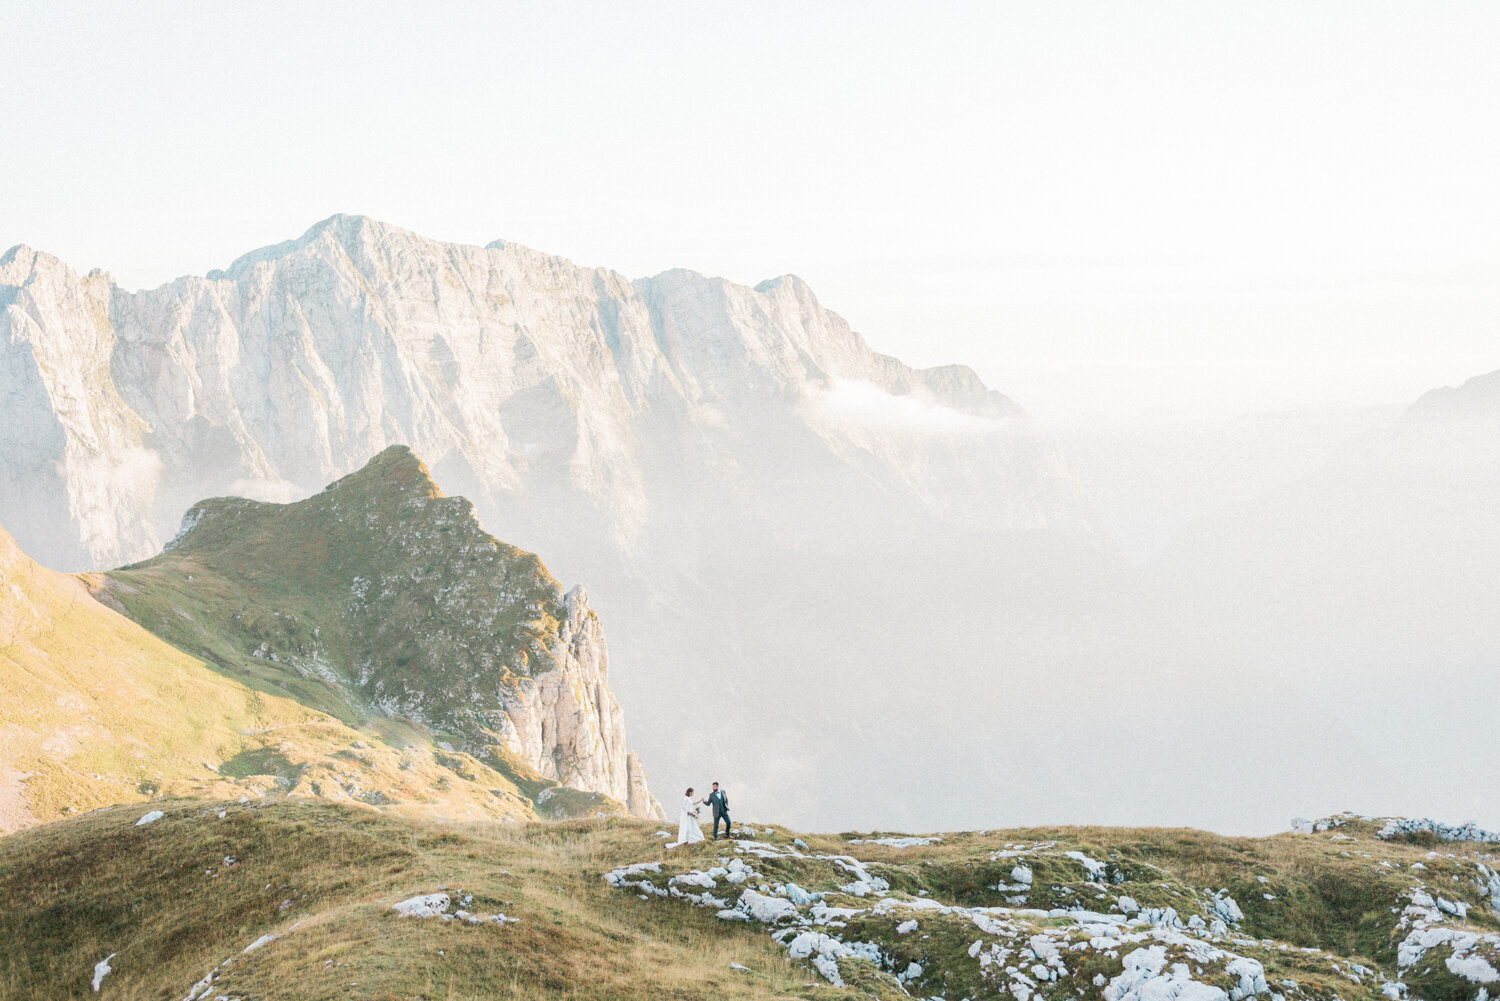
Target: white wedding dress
688	831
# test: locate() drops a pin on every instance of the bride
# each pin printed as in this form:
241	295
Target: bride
688	831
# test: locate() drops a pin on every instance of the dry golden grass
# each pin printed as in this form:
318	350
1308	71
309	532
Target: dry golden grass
85	888
323	878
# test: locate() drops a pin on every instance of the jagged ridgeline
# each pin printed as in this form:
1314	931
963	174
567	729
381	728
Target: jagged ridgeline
384	604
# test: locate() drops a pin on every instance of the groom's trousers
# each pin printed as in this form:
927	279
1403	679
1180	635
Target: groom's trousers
718	817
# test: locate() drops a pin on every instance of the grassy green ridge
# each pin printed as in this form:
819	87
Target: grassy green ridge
377	596
382	604
185	895
97	710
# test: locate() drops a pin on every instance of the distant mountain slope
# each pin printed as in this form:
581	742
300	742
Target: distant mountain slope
378	598
1382	559
1363	598
95	710
1476	402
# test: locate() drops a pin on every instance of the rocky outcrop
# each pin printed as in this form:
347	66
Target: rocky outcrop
1393	828
565	722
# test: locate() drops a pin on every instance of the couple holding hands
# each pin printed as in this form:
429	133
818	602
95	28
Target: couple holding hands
688	830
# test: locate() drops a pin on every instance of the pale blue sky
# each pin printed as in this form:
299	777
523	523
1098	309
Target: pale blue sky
1122	206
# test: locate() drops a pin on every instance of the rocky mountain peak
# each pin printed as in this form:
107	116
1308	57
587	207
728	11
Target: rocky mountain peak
395	471
341	234
22	267
786	285
15	263
518	374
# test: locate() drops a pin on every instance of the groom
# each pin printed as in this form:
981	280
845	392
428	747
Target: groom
719	800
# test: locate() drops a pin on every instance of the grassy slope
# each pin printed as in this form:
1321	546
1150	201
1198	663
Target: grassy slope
162	899
323	878
377	591
96	710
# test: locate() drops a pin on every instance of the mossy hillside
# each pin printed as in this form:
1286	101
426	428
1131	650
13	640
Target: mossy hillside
98	711
376	596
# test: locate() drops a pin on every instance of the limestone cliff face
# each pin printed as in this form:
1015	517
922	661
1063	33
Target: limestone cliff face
381	598
527	382
565	722
75	476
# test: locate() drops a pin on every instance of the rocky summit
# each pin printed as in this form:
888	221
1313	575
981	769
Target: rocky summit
382	602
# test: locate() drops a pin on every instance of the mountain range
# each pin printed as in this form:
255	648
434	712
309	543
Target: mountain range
807	552
748	489
528	382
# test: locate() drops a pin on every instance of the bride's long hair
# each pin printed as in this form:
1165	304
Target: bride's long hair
689	792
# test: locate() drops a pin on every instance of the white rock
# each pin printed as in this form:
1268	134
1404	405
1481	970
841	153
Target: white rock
798	895
102	969
701	879
262	942
829	968
428	905
1394	827
1475	969
1096	869
767	909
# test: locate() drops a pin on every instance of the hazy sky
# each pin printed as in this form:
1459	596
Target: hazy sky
1129	208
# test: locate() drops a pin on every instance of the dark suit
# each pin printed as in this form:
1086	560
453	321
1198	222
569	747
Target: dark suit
720	803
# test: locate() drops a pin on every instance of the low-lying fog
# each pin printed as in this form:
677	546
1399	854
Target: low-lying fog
1283	613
